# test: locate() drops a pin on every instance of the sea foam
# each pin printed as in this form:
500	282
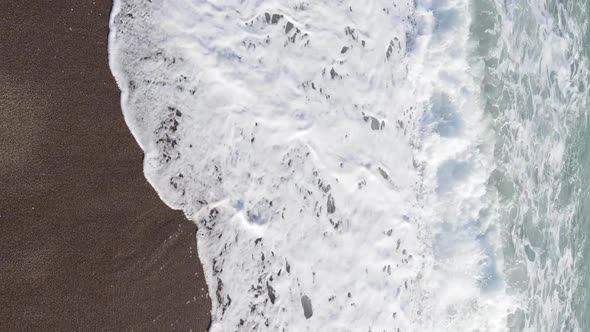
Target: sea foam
334	155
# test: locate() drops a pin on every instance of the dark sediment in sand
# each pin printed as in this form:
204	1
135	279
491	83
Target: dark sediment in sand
85	243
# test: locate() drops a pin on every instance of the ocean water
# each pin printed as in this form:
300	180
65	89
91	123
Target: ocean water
370	166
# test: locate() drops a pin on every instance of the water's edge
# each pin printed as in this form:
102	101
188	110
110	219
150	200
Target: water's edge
415	166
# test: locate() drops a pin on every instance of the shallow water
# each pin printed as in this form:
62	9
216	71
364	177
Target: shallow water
535	88
387	166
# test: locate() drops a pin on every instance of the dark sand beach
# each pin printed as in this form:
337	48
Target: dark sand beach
85	242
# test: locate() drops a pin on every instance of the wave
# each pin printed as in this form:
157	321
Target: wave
397	166
537	73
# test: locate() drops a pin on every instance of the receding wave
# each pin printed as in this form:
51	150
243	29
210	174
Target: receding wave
377	165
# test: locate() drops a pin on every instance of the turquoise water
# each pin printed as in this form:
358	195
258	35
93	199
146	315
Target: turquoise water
582	227
534	87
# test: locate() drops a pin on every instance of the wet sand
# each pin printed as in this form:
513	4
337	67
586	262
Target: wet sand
85	243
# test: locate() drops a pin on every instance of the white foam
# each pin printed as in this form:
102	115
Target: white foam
353	177
537	87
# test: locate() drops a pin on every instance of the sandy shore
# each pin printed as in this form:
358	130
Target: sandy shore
85	243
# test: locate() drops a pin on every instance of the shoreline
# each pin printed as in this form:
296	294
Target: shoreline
86	241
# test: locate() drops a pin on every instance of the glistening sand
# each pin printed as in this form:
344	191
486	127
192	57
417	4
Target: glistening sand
85	243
